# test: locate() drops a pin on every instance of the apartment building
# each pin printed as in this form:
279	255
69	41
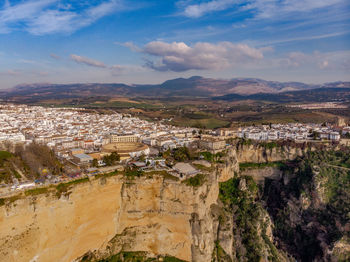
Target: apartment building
123	138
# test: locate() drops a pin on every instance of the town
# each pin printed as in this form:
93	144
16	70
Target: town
90	143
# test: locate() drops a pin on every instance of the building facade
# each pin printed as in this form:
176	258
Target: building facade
124	138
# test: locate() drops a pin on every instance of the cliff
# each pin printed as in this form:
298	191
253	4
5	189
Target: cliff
310	207
104	216
260	153
297	212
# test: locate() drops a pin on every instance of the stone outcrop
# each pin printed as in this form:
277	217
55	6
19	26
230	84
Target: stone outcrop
229	167
259	174
260	154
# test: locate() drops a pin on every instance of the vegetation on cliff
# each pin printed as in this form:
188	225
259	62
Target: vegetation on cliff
136	257
310	208
251	243
214	158
195	181
59	190
63	188
184	154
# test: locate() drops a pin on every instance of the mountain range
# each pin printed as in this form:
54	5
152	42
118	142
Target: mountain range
194	86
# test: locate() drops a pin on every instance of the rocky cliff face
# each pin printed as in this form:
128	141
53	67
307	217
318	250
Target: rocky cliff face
261	154
44	228
227	218
259	175
108	215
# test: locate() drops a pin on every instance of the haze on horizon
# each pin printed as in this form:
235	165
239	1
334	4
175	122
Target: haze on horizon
148	41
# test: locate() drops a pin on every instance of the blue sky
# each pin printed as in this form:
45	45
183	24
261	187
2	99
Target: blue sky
139	41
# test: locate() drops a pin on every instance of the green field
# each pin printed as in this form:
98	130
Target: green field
205	113
4	155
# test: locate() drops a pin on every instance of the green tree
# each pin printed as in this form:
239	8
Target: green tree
182	154
111	159
115	156
95	162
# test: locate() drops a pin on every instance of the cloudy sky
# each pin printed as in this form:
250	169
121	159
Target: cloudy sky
149	41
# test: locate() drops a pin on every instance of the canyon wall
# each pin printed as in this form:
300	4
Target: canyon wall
260	154
259	174
107	215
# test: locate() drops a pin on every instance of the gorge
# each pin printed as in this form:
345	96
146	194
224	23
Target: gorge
233	215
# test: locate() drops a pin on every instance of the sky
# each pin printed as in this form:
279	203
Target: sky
149	41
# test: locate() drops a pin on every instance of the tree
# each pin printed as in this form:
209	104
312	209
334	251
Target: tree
132	172
95	162
182	154
37	157
115	156
111	159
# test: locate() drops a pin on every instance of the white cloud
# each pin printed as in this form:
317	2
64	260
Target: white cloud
278	8
53	21
303	38
115	70
201	9
87	61
10	15
334	61
261	8
178	56
129	45
126	69
41	17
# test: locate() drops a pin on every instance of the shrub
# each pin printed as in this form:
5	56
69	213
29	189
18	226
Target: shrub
195	181
246	213
111	159
64	187
133	172
36	191
251	165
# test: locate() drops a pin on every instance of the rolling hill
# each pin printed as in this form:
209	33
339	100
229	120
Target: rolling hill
196	86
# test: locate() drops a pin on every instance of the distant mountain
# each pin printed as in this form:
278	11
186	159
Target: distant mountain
195	86
208	87
324	94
